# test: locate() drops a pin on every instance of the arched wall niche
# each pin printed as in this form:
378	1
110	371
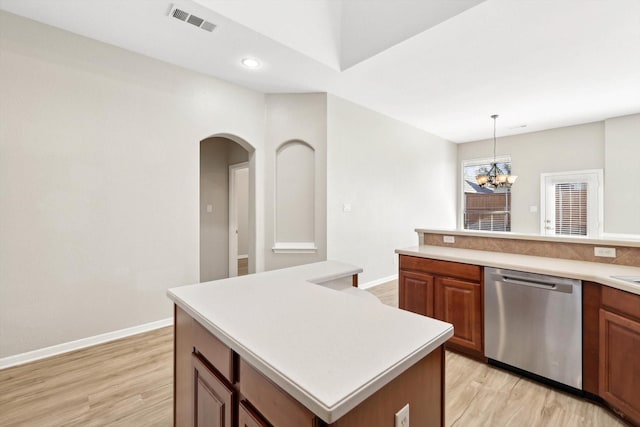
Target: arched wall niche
295	198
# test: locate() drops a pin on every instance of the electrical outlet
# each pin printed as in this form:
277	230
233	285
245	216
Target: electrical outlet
605	252
402	417
448	239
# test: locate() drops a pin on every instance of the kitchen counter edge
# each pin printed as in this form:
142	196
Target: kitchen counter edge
582	270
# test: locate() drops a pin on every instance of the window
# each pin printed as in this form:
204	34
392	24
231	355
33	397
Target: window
572	203
485	208
571	208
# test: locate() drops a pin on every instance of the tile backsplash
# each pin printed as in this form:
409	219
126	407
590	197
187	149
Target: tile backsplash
625	255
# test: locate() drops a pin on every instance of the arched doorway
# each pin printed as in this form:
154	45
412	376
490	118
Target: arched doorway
225	214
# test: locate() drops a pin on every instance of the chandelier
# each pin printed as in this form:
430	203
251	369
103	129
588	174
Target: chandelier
496	177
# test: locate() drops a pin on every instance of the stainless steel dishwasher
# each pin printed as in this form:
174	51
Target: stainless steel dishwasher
533	322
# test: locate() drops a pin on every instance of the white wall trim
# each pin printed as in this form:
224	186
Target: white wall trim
294	248
245	256
54	350
377	282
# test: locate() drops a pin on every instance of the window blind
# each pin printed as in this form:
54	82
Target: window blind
488	212
571	208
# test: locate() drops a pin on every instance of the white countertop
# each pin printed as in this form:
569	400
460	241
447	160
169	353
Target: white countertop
328	349
583	270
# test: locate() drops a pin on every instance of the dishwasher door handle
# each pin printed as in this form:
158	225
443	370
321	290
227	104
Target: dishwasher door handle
558	287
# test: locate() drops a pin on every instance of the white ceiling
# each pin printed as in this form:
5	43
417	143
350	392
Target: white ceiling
441	65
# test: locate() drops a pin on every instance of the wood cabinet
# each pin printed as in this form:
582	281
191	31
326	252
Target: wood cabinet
611	339
213	399
416	292
447	291
460	303
619	363
248	418
274	404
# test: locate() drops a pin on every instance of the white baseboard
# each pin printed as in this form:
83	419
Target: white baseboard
245	256
66	347
378	281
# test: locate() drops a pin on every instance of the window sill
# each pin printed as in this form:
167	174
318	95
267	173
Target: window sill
294	248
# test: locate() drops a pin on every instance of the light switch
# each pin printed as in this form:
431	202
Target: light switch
209	208
346	207
533	209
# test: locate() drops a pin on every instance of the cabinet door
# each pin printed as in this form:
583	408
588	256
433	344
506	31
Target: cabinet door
416	292
247	418
460	303
619	368
213	400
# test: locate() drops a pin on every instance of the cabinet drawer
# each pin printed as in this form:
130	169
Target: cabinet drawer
621	301
213	350
441	268
248	418
271	401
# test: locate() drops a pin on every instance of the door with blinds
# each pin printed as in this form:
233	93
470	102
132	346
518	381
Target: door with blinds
572	203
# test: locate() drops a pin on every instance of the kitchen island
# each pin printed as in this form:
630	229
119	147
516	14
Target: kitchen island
279	348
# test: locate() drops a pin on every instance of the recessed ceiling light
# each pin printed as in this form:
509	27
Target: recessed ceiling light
251	63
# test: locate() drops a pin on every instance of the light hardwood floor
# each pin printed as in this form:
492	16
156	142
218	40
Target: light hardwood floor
129	383
243	266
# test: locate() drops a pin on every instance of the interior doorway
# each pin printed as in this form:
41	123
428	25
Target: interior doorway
220	210
239	219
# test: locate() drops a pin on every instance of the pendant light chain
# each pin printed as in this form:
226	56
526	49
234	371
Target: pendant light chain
494	117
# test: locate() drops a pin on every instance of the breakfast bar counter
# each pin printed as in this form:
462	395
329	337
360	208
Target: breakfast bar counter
329	352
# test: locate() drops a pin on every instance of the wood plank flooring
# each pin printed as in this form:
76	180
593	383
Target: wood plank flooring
243	266
129	382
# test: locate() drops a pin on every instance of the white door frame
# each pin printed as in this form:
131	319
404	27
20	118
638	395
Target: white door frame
593	178
233	217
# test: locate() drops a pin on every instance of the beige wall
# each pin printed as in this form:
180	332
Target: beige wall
301	117
622	163
556	150
216	154
395	177
99	206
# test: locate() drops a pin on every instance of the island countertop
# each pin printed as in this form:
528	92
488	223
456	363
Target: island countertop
604	274
328	349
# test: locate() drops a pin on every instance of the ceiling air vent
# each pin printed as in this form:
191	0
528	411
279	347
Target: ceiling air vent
191	19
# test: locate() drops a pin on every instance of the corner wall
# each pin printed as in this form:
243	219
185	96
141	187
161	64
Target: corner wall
393	177
301	117
621	166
